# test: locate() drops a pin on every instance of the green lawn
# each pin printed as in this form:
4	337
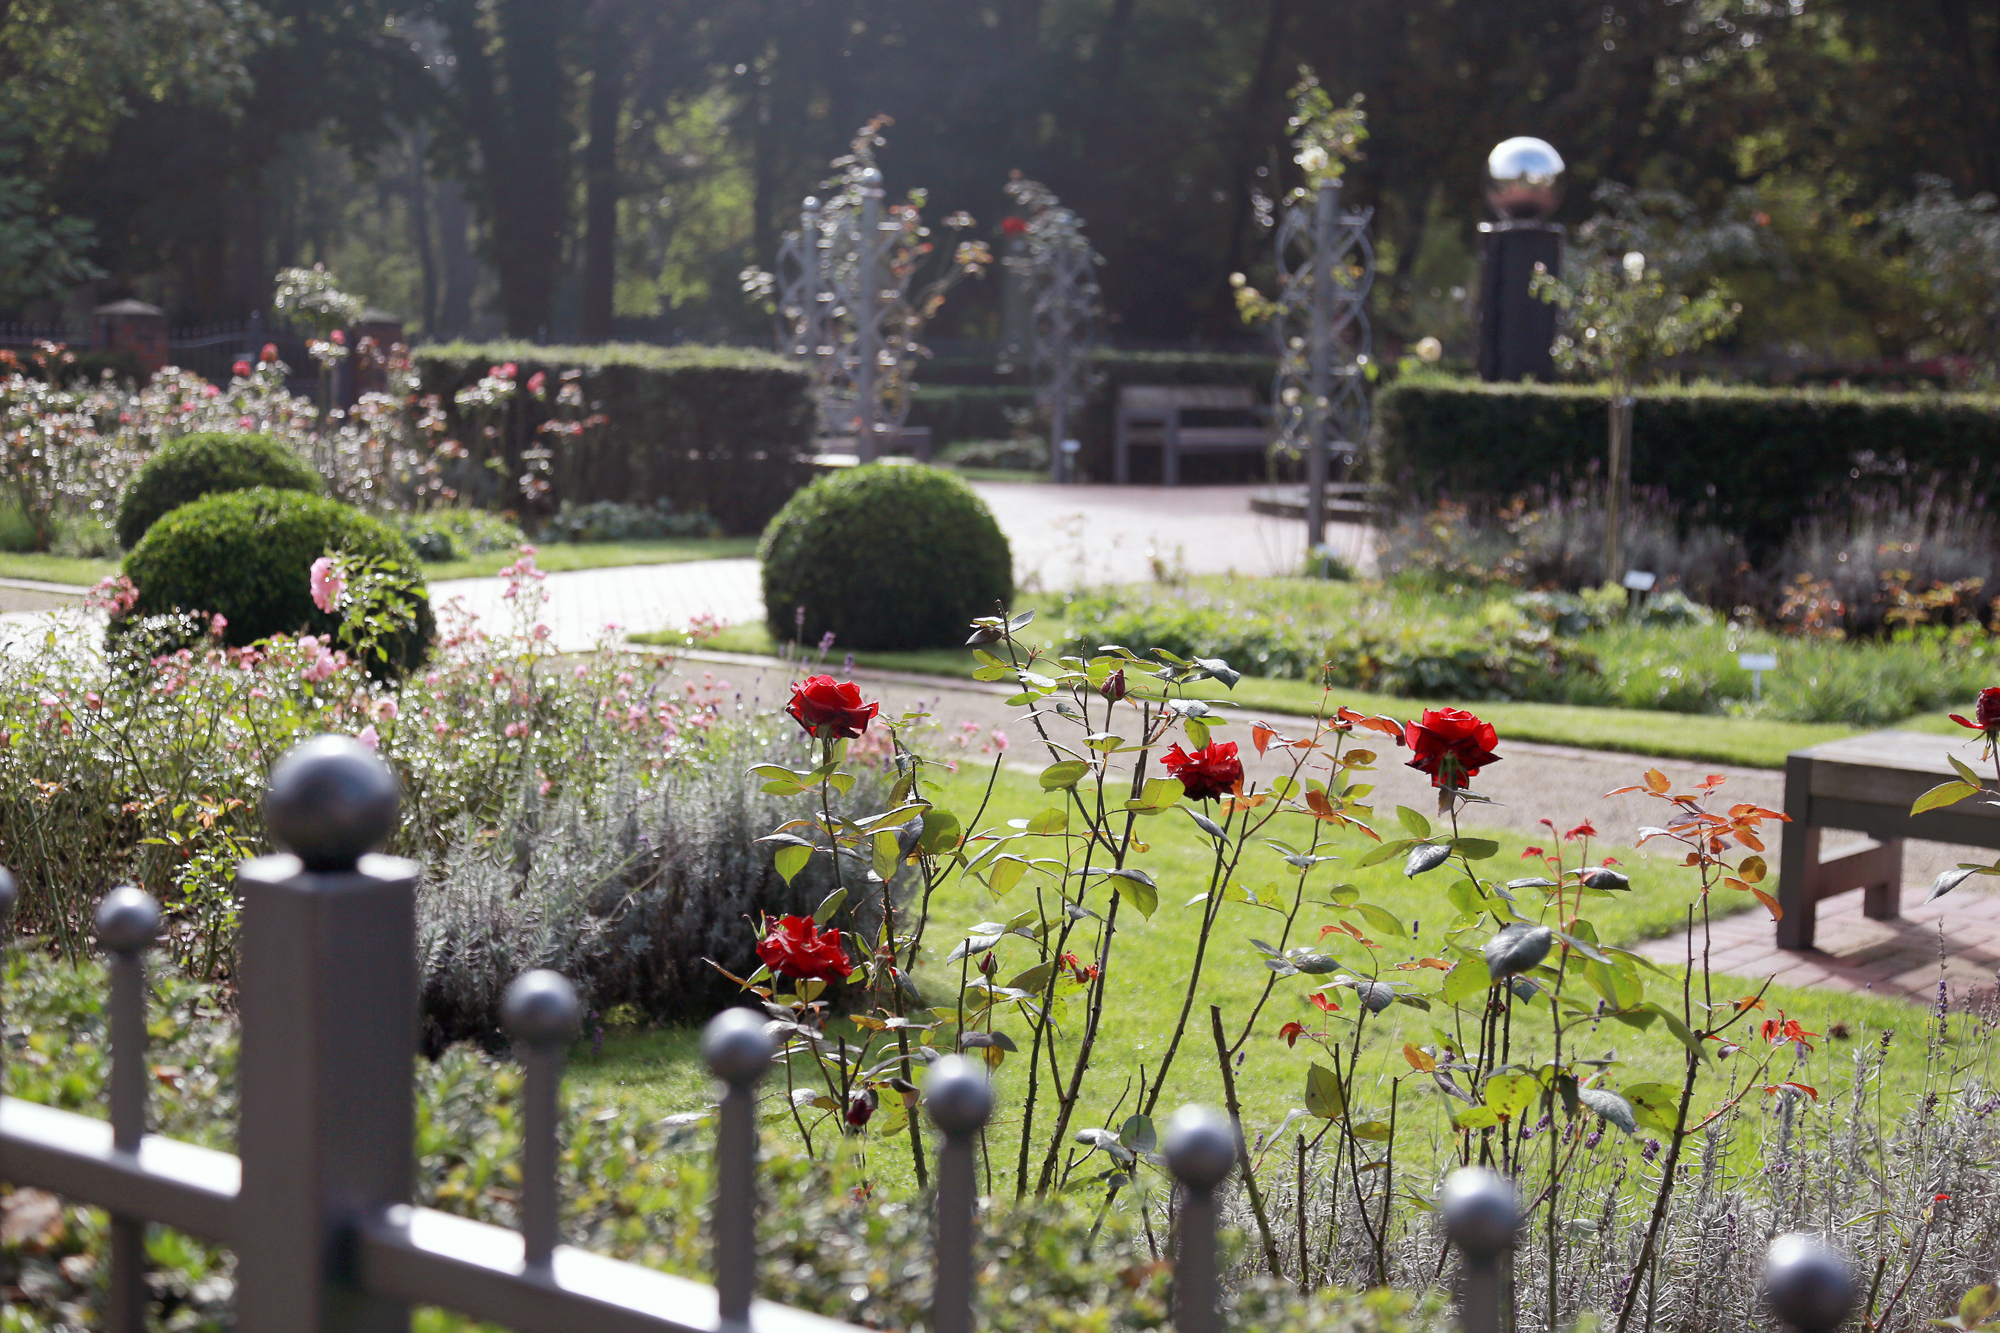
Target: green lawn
559	556
55	568
1707	737
656	1071
554	557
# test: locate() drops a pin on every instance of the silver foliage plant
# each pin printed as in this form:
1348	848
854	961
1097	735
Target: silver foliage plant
1898	1176
627	886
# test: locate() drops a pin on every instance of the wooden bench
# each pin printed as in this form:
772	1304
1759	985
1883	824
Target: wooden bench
1153	414
1867	784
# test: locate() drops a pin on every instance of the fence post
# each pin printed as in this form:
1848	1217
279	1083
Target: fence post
541	1014
127	921
1481	1215
738	1051
959	1099
1808	1283
328	993
1200	1147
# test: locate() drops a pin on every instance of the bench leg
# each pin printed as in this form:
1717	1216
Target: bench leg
1170	456
1881	875
1798	867
1122	466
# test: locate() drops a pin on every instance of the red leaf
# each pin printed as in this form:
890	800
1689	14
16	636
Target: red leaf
1291	1032
1260	736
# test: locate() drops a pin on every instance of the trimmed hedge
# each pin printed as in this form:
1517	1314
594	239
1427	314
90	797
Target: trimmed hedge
246	554
1753	461
888	556
720	430
205	464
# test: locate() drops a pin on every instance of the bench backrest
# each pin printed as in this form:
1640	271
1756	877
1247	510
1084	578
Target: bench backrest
1161	399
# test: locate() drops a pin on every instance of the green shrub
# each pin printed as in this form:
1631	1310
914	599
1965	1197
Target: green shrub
1750	461
456	534
718	430
884	557
246	555
197	465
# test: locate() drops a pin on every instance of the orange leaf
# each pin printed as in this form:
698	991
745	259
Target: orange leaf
1711	782
1749	1002
1777	912
1420	1062
1260	736
1622	791
1656	781
1735	883
1750	840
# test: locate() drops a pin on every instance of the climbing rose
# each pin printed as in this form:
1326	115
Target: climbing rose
795	947
1013	227
537	382
1451	745
270	352
1985	713
241	370
829	708
327	584
1213	770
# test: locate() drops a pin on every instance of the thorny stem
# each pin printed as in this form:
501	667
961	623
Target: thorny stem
1235	1109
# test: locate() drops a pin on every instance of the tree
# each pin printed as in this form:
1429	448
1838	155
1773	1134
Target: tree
1623	312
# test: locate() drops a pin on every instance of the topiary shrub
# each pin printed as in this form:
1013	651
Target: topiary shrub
884	557
204	464
247	554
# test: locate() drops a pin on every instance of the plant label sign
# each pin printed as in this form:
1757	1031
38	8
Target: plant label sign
1757	664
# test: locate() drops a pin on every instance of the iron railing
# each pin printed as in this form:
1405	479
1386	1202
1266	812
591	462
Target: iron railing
316	1202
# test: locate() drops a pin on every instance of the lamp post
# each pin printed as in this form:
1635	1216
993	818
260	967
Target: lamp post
1516	330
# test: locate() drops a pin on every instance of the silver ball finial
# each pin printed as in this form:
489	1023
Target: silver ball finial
870	178
958	1096
540	1008
1480	1212
1524	178
736	1046
9	894
127	920
1809	1284
330	802
1200	1146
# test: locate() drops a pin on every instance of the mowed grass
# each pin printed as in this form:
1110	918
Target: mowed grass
657	1072
1743	741
560	556
81	571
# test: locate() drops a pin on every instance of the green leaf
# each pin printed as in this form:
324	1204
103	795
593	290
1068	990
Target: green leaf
1947	793
1197	732
1382	920
1006	873
888	854
1654	1105
1468	978
790	860
1058	777
1158	794
1476	1117
1325	1098
1964	770
1138	1134
1476	849
1035	979
1375	1131
1516	947
828	905
1204	823
1418	826
1425	856
1387	851
941	832
1680	1029
1137	887
1511	1094
1053	820
1610	1107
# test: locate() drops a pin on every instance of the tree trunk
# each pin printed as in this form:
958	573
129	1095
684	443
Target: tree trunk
600	172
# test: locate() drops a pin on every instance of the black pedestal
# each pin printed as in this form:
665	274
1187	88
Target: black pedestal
1516	330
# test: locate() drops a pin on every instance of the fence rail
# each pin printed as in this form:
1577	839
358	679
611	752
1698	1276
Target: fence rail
317	1206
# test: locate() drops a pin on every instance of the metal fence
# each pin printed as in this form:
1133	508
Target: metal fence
316	1203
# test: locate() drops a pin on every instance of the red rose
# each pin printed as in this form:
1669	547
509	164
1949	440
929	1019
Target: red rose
793	946
537	382
1985	713
1213	770
861	1107
829	708
270	352
241	370
1013	227
1113	687
1451	745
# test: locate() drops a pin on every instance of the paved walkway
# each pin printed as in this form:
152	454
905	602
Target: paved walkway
1063	537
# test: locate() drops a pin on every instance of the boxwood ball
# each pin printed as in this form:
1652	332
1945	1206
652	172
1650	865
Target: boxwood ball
884	557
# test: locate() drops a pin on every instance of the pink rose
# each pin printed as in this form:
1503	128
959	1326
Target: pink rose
327	584
322	667
218	623
337	338
386	710
537	382
368	737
